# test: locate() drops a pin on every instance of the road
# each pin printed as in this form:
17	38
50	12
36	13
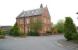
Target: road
32	43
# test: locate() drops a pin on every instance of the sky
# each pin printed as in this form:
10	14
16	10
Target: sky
58	9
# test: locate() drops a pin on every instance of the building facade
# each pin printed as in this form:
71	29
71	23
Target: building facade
24	18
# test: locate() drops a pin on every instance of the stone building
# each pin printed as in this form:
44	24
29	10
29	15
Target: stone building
42	13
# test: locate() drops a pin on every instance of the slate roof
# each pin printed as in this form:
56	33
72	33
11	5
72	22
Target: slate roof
31	13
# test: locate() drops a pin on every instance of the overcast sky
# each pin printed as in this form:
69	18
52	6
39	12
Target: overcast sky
59	9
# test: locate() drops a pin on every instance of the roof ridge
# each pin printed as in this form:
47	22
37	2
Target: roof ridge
32	12
33	9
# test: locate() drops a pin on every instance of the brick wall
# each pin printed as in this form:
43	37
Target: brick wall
45	18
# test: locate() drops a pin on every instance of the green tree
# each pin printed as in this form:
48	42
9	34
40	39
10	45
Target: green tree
15	31
69	28
34	27
2	34
59	26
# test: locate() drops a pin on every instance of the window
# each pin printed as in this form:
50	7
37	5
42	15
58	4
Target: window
21	21
28	20
44	20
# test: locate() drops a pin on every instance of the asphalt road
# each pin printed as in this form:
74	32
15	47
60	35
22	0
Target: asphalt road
32	43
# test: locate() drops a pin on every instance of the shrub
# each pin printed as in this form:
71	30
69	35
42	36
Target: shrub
49	32
2	34
75	36
31	33
14	31
69	28
54	30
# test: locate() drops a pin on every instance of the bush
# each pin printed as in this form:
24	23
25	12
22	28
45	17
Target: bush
75	36
69	29
2	34
68	36
14	31
31	33
49	32
54	30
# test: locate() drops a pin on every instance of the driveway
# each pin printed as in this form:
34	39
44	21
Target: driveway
33	43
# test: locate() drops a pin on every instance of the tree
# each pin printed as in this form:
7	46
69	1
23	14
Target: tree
69	28
59	26
34	27
2	34
15	31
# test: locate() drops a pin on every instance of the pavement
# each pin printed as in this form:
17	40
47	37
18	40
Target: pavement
53	42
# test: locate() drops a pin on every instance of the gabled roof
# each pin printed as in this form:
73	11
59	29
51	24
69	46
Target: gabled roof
31	13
